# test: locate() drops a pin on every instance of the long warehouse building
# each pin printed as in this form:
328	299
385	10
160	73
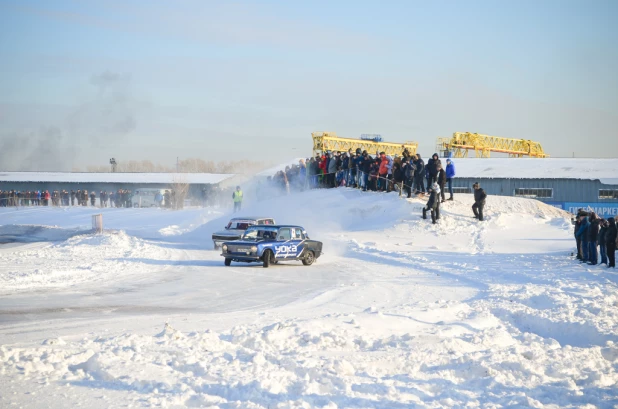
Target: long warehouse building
567	183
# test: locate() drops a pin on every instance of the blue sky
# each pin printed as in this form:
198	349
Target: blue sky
84	81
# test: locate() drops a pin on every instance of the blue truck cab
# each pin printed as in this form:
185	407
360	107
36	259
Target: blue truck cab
270	244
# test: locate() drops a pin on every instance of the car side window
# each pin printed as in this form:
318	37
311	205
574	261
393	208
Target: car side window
298	234
284	234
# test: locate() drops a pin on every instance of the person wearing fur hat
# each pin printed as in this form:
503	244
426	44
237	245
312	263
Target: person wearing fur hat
479	201
433	204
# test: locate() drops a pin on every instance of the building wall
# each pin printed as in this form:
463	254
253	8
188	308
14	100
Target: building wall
567	193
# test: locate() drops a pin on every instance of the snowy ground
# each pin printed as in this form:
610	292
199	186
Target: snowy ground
398	313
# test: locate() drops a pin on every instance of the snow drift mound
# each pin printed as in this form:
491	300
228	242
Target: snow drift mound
321	212
327	211
90	258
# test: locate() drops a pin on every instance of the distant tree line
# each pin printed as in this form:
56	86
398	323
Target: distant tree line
190	165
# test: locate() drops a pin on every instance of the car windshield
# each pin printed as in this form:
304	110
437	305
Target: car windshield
240	224
261	232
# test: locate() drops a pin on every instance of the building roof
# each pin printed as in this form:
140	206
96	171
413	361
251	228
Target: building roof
605	170
119	177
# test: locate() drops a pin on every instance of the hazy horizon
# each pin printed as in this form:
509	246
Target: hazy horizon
84	82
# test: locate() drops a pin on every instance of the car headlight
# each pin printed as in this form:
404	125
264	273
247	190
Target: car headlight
224	247
254	249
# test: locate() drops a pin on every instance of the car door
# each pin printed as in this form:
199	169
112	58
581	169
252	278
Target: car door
286	247
298	238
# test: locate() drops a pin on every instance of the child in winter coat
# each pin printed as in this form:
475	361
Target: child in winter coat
433	204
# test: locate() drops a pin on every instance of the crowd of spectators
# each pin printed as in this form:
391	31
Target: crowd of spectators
595	236
120	198
406	173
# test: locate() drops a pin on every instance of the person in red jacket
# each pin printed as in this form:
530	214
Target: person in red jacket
322	166
46	198
383	172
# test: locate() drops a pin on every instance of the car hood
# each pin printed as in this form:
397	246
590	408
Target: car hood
248	242
231	233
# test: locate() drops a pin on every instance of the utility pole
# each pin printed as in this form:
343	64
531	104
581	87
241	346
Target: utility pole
176	164
112	162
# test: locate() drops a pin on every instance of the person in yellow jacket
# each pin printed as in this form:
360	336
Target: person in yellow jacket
237	196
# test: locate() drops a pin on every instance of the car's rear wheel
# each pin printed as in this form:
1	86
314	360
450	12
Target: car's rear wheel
228	261
309	258
266	258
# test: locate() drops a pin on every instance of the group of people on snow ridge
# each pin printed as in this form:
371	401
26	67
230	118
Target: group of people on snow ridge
592	234
406	173
433	204
358	169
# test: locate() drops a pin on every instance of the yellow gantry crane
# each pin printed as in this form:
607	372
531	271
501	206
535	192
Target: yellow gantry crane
329	141
483	145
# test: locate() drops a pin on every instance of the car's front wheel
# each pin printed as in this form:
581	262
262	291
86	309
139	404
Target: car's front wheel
309	258
266	258
228	262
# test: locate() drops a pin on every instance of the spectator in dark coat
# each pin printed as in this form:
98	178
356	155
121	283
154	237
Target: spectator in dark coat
578	239
479	201
407	169
610	242
366	167
432	169
602	244
582	233
441	179
419	183
593	239
433	204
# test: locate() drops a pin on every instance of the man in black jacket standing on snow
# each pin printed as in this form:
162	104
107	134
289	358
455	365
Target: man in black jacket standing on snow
610	242
479	201
419	183
432	169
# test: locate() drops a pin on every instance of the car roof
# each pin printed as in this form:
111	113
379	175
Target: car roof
251	218
278	226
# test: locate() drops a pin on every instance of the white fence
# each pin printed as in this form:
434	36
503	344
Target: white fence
97	223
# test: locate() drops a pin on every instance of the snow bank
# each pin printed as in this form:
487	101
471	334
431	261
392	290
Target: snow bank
92	259
468	358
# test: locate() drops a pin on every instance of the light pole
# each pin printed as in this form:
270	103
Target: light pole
112	162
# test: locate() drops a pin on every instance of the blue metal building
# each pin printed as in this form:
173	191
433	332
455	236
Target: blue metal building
566	183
